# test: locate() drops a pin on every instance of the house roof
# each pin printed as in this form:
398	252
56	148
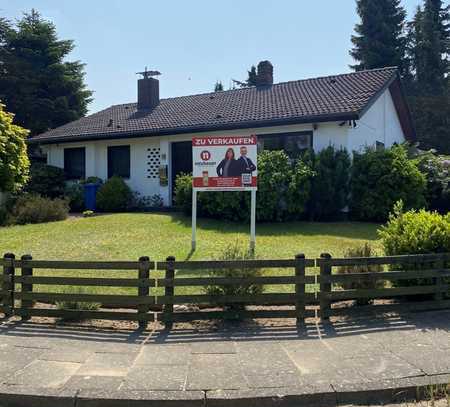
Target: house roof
331	98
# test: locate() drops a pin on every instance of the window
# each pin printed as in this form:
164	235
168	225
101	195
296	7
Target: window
379	146
292	143
119	161
75	163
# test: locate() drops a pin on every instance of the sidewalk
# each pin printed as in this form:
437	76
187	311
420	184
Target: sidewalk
344	362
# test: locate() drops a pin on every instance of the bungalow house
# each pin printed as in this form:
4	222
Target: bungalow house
149	142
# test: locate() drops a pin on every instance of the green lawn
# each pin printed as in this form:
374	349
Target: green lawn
129	236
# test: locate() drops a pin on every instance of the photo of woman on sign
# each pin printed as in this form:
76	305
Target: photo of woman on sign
227	167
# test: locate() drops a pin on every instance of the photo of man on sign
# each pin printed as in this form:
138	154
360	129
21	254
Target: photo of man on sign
225	163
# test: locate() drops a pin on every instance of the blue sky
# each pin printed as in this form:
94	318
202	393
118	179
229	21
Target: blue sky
196	42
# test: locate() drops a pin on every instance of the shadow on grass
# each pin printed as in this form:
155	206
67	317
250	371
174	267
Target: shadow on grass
352	230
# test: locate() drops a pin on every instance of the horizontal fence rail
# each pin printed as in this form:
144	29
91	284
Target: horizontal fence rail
173	291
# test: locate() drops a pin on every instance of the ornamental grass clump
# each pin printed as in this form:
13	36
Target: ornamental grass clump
235	252
365	250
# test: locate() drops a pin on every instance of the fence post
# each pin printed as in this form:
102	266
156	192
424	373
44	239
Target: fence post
325	286
143	290
26	288
300	306
8	284
169	291
439	281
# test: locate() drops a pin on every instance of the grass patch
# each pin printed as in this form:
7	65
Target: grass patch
131	235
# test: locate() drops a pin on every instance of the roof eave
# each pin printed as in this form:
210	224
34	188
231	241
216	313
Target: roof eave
199	129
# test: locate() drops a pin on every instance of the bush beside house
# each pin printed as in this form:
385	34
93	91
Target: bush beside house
330	184
46	180
114	195
381	178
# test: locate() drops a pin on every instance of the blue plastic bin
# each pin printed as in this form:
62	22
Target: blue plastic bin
90	196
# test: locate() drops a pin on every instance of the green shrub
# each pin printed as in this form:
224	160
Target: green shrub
283	192
235	252
381	178
183	193
37	209
74	193
46	180
437	172
14	163
224	205
330	187
415	232
365	250
3	216
283	187
114	195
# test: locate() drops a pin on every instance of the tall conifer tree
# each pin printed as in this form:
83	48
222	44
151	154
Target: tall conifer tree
37	83
429	50
379	39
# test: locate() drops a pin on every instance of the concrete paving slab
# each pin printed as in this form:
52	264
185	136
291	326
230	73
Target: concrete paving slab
213	347
276	380
268	366
66	354
42	373
158	377
111	383
385	367
107	364
208	372
163	355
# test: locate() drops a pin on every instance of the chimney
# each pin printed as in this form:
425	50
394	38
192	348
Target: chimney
264	76
148	90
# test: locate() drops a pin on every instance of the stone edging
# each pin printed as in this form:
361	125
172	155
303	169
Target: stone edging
392	391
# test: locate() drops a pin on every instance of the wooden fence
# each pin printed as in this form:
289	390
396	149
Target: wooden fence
301	288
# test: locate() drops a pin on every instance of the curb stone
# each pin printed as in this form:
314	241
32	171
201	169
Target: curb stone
383	391
22	396
128	398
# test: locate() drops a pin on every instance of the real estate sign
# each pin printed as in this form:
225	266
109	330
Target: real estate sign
225	163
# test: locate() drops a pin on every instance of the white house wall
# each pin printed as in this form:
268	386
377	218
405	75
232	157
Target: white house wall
380	123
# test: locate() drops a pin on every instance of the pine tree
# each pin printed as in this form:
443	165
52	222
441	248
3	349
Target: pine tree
218	87
428	50
379	40
252	79
36	82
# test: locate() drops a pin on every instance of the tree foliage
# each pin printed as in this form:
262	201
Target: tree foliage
379	40
14	163
37	83
429	86
218	87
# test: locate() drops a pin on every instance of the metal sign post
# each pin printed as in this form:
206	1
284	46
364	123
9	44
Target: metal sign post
253	221
226	163
194	220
